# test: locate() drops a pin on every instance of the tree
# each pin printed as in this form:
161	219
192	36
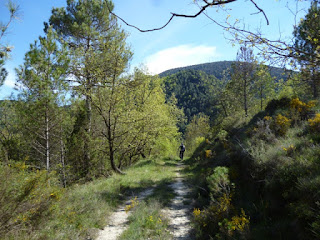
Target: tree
264	85
9	135
134	117
242	77
196	131
192	90
41	80
93	37
4	50
307	40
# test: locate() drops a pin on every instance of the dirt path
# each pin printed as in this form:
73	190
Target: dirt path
178	211
119	219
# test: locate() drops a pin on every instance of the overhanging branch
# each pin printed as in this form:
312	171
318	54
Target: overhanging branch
202	9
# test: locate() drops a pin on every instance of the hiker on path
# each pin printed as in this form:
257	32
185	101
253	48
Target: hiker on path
182	150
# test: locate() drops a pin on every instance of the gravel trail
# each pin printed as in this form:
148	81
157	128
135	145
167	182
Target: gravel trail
178	212
119	219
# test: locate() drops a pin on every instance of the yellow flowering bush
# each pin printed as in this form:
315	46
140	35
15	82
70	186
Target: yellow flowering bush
289	150
282	124
300	106
236	228
25	195
267	118
314	123
134	202
208	153
241	222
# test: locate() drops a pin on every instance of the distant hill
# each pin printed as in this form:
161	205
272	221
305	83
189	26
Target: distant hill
216	69
192	90
191	86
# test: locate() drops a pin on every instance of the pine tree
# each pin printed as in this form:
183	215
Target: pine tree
242	78
307	47
97	45
41	81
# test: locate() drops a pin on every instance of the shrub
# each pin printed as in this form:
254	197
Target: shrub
302	108
25	197
275	104
281	124
314	123
263	130
219	182
208	153
237	227
289	150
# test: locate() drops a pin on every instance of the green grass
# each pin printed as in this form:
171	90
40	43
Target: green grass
83	209
147	222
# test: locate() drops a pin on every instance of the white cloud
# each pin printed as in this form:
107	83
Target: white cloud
180	56
10	80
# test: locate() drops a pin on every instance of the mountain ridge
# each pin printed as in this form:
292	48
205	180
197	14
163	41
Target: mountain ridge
217	68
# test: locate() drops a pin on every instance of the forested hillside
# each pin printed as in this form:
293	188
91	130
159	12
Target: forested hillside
193	91
208	88
217	69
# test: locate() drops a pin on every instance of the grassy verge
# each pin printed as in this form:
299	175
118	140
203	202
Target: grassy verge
147	222
82	209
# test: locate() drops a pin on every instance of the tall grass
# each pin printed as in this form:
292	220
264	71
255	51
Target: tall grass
81	210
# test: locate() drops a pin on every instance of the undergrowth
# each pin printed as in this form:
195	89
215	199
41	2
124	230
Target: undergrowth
262	182
42	211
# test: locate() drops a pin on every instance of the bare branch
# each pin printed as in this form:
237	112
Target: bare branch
260	11
203	8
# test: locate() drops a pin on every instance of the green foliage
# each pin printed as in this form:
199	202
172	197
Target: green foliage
315	123
41	119
5	50
273	161
138	124
219	182
192	90
307	47
147	222
26	197
217	69
196	132
220	220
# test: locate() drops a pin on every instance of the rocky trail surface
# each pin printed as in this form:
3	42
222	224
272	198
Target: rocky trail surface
119	219
177	212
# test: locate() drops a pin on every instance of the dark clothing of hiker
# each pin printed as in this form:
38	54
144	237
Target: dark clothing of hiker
182	149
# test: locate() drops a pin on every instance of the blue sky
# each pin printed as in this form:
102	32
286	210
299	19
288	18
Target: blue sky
183	42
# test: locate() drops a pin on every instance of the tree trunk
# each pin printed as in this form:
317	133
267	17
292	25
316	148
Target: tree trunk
261	98
62	159
314	83
245	98
111	150
6	155
47	141
224	109
112	161
87	137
